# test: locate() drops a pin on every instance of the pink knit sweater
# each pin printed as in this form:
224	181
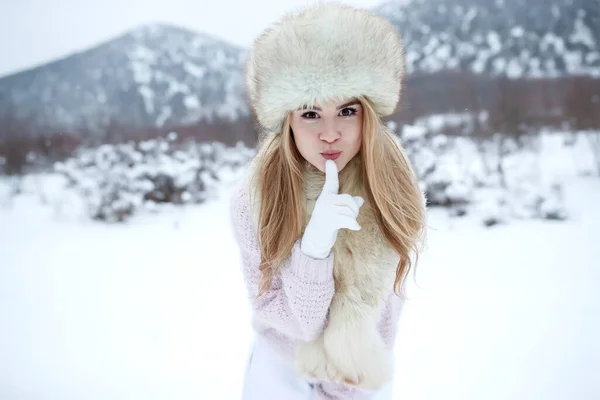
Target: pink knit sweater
296	306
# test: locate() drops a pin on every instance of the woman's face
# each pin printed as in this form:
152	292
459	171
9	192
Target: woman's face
328	131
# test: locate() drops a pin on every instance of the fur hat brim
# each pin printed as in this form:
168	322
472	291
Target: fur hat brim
325	52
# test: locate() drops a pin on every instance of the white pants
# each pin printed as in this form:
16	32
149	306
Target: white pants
269	377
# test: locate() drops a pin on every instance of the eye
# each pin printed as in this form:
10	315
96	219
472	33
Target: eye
348	112
310	115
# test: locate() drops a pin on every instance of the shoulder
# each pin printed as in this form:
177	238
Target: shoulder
243	201
239	198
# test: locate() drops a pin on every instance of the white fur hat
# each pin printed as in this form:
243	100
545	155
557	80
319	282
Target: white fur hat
324	52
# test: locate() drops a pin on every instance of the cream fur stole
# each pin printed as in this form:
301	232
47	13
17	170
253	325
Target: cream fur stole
350	350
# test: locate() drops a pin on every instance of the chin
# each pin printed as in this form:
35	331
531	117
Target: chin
339	163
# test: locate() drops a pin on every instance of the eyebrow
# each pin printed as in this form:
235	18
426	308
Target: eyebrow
348	104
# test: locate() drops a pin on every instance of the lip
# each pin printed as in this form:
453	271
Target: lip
331	155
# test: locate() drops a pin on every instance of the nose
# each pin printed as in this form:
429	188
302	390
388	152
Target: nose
330	132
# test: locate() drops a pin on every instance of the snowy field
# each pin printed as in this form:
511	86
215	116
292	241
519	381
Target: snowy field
155	308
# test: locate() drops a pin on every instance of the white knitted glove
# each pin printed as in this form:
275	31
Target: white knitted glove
332	212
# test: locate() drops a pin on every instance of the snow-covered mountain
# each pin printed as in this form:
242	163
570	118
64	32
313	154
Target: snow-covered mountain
519	38
160	75
156	75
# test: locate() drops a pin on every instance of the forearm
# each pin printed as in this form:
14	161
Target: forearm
298	300
299	296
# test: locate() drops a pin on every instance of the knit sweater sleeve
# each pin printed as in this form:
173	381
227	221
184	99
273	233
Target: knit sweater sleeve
390	317
298	301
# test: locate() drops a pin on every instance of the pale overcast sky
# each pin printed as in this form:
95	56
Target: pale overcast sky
37	31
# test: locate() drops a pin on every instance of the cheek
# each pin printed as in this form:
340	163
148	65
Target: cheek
305	139
354	133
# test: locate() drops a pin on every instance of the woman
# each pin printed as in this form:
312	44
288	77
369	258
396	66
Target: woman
331	213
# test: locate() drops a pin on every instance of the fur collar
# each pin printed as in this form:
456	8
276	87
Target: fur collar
350	349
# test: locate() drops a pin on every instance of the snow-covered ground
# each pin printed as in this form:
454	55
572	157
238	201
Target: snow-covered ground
155	308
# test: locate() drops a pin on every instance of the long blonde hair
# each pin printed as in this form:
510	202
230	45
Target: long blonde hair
390	183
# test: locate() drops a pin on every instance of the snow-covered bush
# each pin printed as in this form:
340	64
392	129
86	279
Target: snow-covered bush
593	138
117	180
469	177
439	165
10	186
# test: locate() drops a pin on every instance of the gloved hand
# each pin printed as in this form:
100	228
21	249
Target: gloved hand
332	212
